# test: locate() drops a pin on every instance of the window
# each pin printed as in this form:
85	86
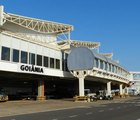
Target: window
116	69
39	60
96	62
113	69
110	67
15	57
51	62
63	65
46	61
101	64
24	57
5	54
64	61
57	64
106	66
32	58
66	66
66	55
119	70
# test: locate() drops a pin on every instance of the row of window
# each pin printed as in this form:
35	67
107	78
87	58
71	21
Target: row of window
15	55
108	67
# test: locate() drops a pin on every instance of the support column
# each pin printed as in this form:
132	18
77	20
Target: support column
121	89
41	90
109	88
81	86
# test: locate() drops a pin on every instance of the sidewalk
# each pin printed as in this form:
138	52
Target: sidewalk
11	108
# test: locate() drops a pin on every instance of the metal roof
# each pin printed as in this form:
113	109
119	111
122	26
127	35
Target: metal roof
41	26
106	59
99	56
108	55
77	43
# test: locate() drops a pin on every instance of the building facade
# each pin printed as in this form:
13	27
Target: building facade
34	60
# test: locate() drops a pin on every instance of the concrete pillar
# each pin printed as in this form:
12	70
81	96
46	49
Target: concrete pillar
121	89
108	87
81	86
41	90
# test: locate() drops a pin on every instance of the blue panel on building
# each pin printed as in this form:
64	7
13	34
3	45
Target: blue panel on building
81	59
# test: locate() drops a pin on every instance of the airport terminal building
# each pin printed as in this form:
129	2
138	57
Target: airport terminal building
37	57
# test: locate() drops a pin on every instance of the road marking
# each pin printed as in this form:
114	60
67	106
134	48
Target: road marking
72	116
89	113
101	111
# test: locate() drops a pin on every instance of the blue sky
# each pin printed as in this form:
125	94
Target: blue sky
114	23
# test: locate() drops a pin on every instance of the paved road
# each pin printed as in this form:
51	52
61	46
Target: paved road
118	110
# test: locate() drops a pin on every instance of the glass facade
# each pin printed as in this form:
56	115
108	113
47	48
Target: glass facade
96	62
101	64
113	68
57	64
46	61
106	66
15	57
35	59
24	57
32	58
39	60
51	62
5	54
109	67
64	61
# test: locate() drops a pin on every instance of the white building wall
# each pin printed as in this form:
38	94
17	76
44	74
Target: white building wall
15	43
5	41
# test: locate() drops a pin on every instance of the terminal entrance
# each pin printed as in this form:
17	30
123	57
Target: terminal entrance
25	86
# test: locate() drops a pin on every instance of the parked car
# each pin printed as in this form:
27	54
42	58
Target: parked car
91	96
3	97
103	95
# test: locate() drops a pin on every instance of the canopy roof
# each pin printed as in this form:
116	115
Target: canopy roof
108	55
77	43
41	26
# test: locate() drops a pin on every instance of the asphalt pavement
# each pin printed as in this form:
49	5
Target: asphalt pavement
119	109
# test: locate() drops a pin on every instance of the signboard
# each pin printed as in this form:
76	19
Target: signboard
31	68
